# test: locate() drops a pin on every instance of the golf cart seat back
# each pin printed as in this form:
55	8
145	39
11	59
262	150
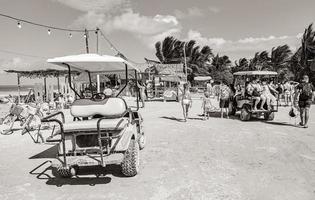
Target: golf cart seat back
110	108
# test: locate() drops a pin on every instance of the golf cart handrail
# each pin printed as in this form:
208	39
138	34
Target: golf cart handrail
255	73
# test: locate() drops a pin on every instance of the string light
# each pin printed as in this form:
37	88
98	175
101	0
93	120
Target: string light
19	24
84	35
49	32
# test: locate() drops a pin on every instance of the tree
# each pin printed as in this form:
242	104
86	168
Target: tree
171	50
221	69
241	65
260	61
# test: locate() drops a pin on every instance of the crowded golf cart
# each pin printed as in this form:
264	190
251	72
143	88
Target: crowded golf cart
255	95
106	130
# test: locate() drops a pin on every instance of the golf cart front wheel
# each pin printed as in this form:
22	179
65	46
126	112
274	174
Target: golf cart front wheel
269	116
130	164
245	115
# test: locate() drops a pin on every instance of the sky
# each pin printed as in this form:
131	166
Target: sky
237	28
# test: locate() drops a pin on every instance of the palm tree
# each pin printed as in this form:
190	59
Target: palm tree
308	48
241	65
279	57
171	50
220	68
260	61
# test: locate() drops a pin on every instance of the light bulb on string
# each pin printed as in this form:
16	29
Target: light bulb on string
19	24
49	32
70	35
84	35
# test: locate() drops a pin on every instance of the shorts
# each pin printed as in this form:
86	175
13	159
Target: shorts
224	103
305	104
186	101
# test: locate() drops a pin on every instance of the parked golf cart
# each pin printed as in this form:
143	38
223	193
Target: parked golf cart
243	102
107	131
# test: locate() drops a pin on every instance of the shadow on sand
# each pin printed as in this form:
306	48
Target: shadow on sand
92	175
48	153
279	123
173	118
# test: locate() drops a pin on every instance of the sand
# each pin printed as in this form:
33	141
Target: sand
213	159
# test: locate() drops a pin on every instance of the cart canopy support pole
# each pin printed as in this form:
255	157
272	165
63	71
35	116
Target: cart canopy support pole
69	80
126	69
138	90
90	80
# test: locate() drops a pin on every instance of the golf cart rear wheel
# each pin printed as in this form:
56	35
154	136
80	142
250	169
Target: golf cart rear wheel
269	116
245	115
130	164
141	141
63	172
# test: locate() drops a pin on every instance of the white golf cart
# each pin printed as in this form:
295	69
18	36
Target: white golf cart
106	130
244	102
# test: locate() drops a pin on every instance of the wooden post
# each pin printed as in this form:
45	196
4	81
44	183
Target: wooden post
45	88
58	84
19	95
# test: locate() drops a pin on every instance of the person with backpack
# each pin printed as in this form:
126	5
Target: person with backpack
224	96
305	95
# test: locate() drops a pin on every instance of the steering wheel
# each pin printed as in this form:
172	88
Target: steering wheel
98	96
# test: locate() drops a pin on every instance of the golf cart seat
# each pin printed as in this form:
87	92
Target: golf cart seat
114	112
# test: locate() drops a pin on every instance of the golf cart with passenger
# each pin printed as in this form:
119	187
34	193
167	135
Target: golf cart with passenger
244	102
107	131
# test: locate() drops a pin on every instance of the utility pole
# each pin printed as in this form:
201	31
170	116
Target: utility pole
86	35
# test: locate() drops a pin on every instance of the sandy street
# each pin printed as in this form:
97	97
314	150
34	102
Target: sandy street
213	159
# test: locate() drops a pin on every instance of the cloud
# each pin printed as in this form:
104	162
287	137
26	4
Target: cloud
148	29
214	9
191	12
248	45
94	5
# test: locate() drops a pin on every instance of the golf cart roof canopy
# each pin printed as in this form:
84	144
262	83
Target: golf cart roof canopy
93	63
255	73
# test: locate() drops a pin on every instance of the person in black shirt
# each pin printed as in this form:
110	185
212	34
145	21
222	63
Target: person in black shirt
305	97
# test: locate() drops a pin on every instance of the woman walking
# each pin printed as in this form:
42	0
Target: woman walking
186	101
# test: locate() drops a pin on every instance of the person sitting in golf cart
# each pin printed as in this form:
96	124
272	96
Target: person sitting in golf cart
254	90
267	93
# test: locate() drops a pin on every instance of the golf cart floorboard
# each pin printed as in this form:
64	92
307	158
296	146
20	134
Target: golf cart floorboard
93	159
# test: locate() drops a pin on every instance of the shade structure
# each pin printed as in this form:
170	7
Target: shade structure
202	78
256	73
174	79
93	63
84	78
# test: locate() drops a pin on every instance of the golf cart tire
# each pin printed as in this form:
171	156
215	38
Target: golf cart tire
245	114
232	109
130	164
269	116
142	141
62	172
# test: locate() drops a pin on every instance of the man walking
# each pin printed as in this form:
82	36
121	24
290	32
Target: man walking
305	95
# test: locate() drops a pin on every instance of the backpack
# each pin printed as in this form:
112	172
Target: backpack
225	92
306	92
